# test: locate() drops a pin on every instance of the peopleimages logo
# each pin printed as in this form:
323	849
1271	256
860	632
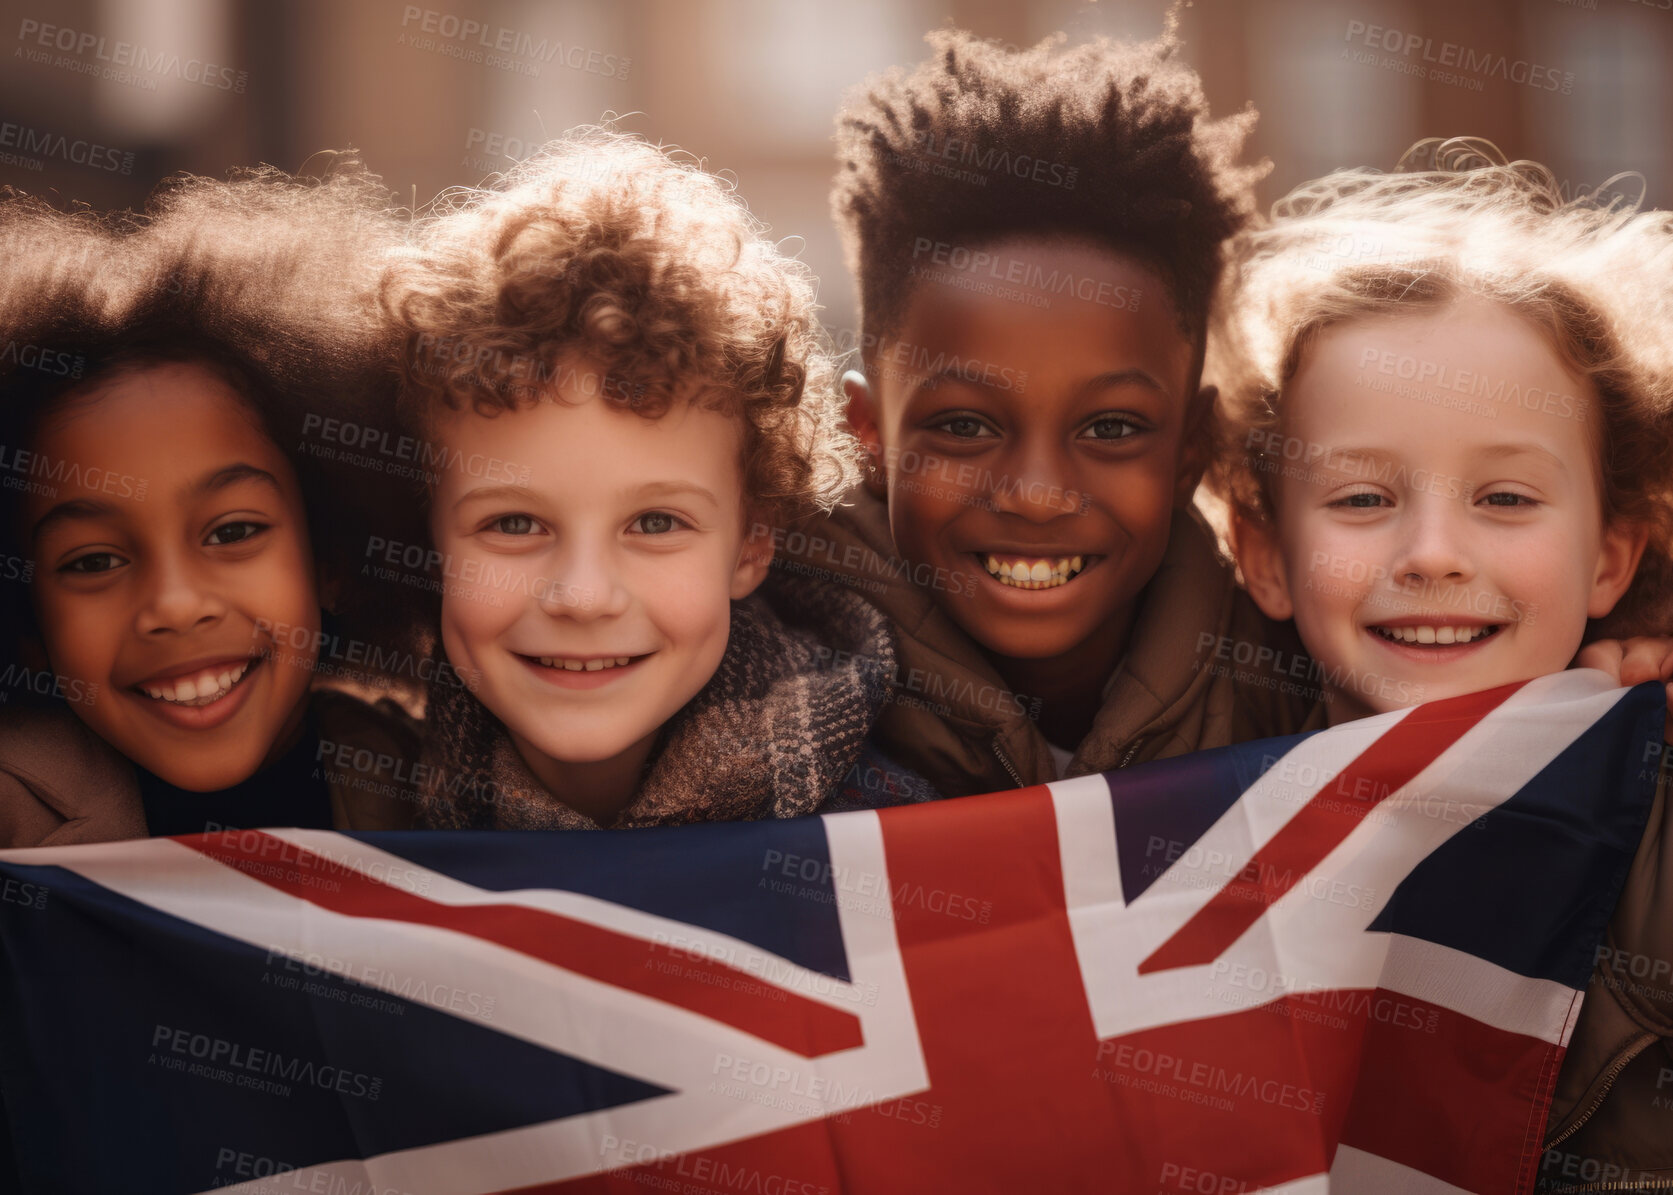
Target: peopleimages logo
1450	55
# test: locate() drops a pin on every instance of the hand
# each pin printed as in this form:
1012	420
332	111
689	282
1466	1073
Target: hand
1631	661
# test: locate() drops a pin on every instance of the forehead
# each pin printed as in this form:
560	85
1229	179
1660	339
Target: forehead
1063	305
165	425
1467	375
581	442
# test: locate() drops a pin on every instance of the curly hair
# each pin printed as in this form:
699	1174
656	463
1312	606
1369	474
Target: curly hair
1110	141
267	280
605	247
1456	220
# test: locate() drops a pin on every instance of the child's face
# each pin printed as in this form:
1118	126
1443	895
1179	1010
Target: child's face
172	547
1029	425
590	559
1438	482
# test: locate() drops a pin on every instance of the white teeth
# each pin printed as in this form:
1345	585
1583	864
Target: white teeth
593	665
1434	634
204	689
1035	574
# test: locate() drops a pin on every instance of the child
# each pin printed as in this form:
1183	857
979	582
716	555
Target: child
1035	236
617	377
163	515
1448	458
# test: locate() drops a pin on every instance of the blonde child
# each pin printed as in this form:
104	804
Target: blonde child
1446	454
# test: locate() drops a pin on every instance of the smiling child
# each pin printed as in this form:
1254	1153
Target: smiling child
1449	458
620	378
172	601
1035	235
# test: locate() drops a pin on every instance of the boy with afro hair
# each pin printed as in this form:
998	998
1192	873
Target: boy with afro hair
1036	235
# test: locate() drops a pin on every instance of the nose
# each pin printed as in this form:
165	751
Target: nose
1435	542
1031	481
585	583
180	595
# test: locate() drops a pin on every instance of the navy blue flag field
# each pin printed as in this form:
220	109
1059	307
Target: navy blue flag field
1342	962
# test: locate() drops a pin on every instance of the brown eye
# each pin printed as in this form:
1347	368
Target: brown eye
1112	428
236	532
964	427
93	562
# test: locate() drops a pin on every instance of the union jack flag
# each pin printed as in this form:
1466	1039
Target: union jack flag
1348	962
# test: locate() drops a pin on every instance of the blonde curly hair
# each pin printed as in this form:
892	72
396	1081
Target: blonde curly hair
606	247
1455	219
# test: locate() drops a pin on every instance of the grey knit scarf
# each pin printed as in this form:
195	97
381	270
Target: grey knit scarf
807	669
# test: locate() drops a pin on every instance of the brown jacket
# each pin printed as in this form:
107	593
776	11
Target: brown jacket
1611	1124
61	784
1190	679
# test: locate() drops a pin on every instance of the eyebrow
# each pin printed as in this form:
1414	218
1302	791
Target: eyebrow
65	512
1127	377
1505	450
232	475
90	508
655	489
494	493
1103	381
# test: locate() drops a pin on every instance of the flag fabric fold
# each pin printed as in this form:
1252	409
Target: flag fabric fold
1341	962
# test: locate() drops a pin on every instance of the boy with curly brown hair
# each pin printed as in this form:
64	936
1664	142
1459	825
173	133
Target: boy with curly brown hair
1036	234
619	377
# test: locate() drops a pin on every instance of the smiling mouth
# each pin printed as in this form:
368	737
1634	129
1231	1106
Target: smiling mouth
1034	572
201	689
1438	635
595	664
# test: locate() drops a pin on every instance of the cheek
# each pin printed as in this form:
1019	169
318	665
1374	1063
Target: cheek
294	587
1330	571
469	626
80	635
688	600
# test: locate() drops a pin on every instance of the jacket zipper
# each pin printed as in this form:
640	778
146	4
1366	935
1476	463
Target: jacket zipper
1657	1184
1609	1077
1005	763
1010	768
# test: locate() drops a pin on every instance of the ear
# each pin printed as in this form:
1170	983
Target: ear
1256	547
862	418
755	556
1617	564
330	587
1195	444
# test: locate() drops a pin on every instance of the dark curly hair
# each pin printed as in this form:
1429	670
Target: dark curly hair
264	279
605	247
1107	140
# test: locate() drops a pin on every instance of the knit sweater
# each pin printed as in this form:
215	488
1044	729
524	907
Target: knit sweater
774	733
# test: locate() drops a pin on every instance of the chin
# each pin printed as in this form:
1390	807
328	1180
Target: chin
1043	642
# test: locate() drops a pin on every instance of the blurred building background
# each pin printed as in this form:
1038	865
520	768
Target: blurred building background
101	98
